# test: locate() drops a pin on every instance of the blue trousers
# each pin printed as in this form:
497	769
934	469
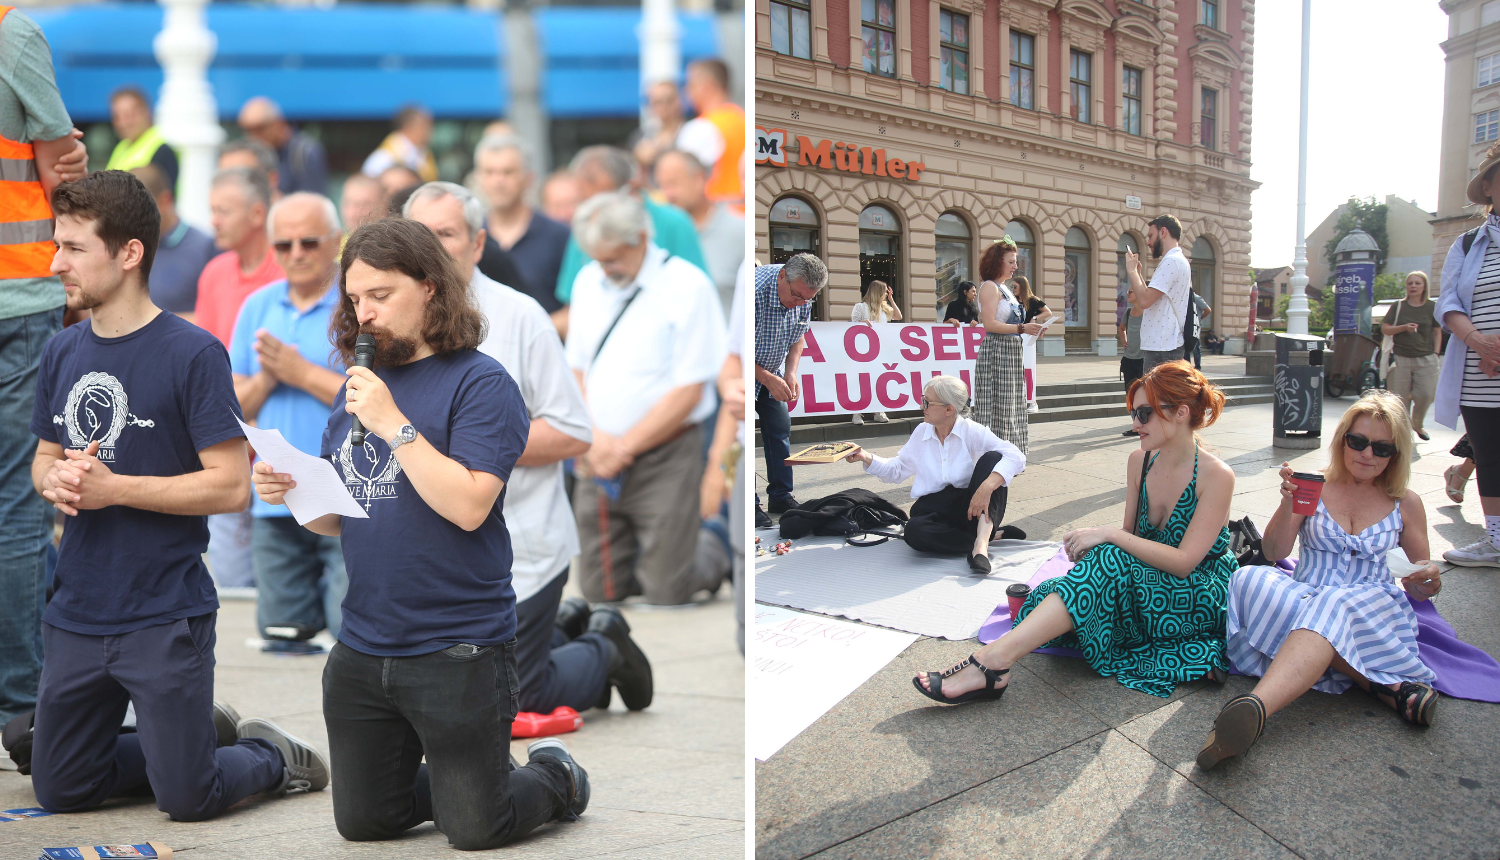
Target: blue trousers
299	576
776	437
78	756
25	517
554	671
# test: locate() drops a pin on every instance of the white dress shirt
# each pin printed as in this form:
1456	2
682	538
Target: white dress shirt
670	336
1162	323
949	463
521	337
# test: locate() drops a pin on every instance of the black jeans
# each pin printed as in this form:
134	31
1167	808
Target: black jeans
776	437
940	521
1483	426
554	671
454	705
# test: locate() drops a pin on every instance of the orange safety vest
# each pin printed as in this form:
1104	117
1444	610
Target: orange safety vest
724	181
26	247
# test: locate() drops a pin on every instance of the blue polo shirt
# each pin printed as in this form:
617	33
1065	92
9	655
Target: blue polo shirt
299	416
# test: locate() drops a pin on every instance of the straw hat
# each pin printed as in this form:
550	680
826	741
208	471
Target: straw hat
1476	191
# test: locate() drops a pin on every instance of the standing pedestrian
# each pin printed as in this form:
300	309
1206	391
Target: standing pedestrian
877	305
1035	310
684	183
140	139
999	377
1165	303
783	312
183	253
717	135
535	243
406	146
964	309
1129	331
302	162
1416	338
1192	348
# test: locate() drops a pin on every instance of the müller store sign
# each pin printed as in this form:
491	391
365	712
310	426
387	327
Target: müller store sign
771	146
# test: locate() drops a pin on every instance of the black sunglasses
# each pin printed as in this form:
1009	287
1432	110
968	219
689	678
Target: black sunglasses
1383	450
1142	414
309	243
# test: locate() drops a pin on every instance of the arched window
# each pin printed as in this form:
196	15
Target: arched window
1202	265
880	252
954	251
1025	253
1127	243
794	230
1076	281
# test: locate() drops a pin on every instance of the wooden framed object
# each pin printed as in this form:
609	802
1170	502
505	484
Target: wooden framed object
827	452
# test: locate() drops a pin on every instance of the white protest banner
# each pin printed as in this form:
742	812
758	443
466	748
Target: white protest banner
804	665
858	367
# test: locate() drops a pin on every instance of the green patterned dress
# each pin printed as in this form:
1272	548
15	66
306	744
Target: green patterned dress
1149	629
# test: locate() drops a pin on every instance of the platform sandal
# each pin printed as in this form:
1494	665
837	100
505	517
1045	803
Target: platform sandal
1236	729
1414	702
988	691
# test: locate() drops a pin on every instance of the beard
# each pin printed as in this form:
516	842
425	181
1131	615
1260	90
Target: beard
390	350
1156	249
82	299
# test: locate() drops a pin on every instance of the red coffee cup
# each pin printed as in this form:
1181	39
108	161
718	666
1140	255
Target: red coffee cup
1309	488
1016	595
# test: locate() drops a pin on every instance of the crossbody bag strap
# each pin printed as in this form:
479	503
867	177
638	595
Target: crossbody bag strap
612	323
1140	494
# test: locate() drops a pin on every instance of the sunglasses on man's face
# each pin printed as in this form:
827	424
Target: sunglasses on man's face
1383	450
1142	414
308	243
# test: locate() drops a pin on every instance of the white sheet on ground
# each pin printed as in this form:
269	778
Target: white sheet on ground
803	666
893	585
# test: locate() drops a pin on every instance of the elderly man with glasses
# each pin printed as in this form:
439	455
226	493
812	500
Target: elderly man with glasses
783	312
279	356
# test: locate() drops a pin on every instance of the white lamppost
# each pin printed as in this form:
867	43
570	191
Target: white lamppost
1296	311
661	55
186	112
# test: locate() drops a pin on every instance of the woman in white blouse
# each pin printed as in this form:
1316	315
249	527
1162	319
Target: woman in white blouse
962	473
878	306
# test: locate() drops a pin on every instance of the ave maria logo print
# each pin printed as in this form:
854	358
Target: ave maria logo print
368	476
98	410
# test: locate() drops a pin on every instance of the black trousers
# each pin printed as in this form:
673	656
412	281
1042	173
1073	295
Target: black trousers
456	707
940	521
554	671
1483	426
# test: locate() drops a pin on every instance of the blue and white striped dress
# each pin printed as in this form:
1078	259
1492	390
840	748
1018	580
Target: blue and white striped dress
1342	591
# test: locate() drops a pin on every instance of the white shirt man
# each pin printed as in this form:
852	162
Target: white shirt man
1162	323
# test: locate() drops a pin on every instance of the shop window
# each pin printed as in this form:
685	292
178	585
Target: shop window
794	230
1209	116
1022	69
1080	76
1076	280
1131	89
1202	265
1025	253
953	39
880	252
791	28
879	22
1122	285
953	247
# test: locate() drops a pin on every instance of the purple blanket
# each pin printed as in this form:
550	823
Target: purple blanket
1463	671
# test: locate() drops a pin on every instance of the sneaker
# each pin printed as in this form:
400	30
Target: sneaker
578	778
630	672
782	505
882	418
857	419
305	768
226	724
1481	553
762	520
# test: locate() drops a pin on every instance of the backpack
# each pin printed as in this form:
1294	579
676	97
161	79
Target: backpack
1469	238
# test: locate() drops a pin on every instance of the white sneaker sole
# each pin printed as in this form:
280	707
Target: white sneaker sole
1466	562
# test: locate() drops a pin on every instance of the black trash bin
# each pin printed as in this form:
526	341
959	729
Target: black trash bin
1297	412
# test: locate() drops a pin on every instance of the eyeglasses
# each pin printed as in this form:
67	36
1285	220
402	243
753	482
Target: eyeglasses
1142	414
308	243
1383	450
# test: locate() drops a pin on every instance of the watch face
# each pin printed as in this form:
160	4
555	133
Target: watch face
408	433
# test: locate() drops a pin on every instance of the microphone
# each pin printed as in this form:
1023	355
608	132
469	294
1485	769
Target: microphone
364	356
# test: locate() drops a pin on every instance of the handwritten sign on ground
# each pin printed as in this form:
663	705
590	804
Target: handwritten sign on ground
804	665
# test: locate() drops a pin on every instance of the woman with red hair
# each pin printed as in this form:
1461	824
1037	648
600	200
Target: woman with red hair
1144	601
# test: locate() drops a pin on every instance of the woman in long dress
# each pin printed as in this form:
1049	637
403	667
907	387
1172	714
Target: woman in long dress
1145	601
999	372
1342	618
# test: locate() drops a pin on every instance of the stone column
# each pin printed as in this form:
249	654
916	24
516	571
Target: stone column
185	111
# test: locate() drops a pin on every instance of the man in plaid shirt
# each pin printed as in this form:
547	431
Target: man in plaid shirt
783	309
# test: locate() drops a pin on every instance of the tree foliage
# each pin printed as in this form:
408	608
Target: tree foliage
1367	215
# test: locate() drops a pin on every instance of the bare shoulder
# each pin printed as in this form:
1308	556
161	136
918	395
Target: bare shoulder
1133	465
1411	504
1216	471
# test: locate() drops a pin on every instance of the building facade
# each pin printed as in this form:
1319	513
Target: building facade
1408	233
899	138
1471	117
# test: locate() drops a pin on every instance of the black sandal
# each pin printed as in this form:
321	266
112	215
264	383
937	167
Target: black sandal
988	691
979	564
1238	726
1414	703
1216	676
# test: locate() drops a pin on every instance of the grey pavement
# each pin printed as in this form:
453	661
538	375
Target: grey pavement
668	782
1070	764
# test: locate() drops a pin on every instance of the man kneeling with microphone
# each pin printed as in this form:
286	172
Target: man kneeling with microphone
425	663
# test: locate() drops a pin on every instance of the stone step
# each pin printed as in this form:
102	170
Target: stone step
1115	410
1117	397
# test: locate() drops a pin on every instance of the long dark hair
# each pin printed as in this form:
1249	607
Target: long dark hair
1023	289
452	322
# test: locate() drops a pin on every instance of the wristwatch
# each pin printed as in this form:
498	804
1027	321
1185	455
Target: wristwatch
407	433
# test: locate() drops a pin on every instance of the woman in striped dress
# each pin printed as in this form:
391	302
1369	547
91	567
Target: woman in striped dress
1342	618
999	372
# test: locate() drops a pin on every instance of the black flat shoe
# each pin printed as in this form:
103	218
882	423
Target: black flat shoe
979	564
1008	533
1238	726
630	673
1422	434
573	617
1217	676
781	505
762	520
987	692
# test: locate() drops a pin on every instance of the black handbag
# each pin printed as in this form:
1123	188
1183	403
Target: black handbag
1245	543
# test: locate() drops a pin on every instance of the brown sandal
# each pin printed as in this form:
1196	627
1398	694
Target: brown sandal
1238	726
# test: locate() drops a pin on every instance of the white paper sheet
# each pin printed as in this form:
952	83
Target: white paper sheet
804	665
319	489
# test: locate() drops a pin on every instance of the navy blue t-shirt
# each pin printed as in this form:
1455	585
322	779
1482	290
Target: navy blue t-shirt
153	398
417	582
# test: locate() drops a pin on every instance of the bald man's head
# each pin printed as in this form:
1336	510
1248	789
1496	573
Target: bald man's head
261	119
